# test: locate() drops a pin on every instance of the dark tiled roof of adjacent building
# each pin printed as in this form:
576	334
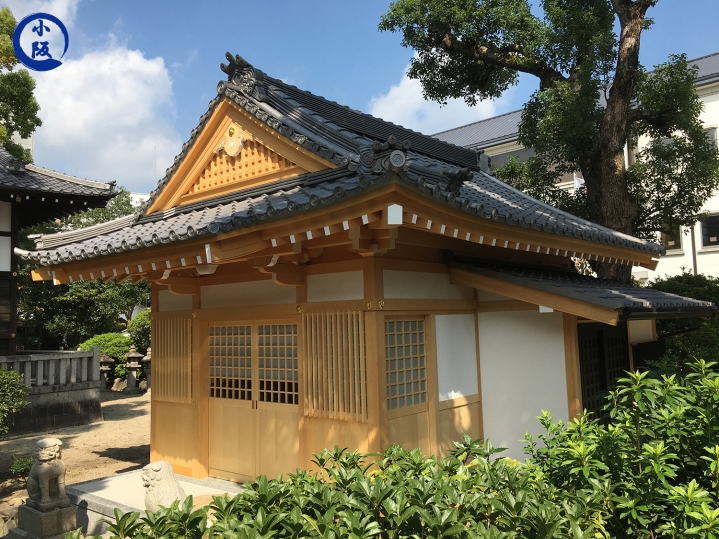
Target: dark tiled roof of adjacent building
17	176
630	301
505	127
363	162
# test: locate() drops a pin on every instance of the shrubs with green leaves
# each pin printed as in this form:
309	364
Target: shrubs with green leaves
20	467
139	329
12	397
115	345
649	468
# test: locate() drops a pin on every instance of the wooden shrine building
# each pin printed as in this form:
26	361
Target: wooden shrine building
321	277
30	195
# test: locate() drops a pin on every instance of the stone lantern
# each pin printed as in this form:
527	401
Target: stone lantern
146	366
107	366
131	367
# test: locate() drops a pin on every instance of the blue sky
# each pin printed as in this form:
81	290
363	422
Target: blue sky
139	74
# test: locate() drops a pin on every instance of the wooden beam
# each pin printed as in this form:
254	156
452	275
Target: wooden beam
504	306
537	297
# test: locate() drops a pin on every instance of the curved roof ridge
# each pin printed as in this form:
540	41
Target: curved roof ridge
67	236
67	177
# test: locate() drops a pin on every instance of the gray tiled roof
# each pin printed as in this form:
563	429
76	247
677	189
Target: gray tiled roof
505	127
631	301
432	168
18	176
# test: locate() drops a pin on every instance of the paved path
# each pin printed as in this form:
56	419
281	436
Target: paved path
120	443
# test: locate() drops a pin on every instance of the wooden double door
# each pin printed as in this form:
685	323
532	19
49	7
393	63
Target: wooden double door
253	399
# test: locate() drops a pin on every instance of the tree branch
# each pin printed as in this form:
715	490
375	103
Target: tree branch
655	119
509	56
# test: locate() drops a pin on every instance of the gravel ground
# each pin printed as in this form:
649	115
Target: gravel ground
120	443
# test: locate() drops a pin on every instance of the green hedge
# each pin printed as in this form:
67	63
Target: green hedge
139	330
115	345
649	468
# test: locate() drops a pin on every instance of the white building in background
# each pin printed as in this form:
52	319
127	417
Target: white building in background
138	198
694	249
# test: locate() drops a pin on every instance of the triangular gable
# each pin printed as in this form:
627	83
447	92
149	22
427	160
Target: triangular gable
234	151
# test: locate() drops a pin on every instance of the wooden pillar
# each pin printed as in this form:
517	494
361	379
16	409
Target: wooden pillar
374	337
571	362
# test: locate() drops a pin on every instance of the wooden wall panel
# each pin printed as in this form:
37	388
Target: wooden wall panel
320	433
172	360
175	439
335	366
232	444
455	417
279	442
411	431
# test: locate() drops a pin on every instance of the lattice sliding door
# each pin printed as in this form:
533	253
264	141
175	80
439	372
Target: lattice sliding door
172	360
335	373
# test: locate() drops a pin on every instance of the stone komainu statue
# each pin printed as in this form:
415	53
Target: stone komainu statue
161	485
46	482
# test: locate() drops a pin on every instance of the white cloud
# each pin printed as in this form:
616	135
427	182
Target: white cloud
63	9
107	113
103	116
404	105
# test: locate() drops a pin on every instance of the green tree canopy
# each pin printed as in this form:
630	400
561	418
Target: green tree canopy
69	314
594	99
18	106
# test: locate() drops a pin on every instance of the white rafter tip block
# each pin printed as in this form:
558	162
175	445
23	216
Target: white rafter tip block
365	219
292	238
182	261
345	225
414	218
309	234
429	224
441	230
327	231
394	214
543	309
273	241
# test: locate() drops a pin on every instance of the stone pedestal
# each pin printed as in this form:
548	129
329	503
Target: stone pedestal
34	524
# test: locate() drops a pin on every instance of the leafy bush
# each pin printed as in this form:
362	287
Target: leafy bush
115	345
139	330
649	469
12	397
20	467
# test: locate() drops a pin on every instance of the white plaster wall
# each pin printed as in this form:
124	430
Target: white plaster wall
707	257
456	356
335	286
250	293
522	372
420	285
5	253
174	302
489	296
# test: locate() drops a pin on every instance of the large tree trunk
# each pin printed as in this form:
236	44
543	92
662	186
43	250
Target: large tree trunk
605	178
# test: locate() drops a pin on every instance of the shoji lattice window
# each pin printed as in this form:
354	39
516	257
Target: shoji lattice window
406	364
335	374
231	362
277	362
172	360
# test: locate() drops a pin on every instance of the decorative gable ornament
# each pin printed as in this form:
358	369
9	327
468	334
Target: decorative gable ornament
232	145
